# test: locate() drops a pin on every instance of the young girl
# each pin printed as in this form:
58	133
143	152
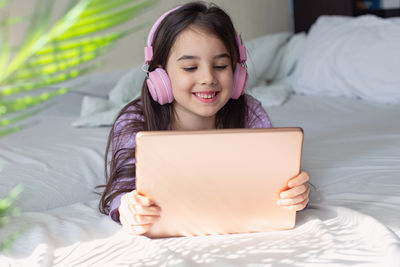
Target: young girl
196	81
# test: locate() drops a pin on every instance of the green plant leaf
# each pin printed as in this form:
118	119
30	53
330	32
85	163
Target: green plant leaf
50	56
103	6
78	52
14	20
9	131
58	66
39	65
5	47
7	211
102	21
54	55
13	129
4	245
8	121
44	81
84	50
81	44
21	103
39	21
32	47
3	3
6	203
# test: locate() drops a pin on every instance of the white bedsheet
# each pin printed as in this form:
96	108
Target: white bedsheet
58	164
324	236
351	150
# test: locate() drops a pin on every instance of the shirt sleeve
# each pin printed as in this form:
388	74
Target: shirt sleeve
120	142
257	117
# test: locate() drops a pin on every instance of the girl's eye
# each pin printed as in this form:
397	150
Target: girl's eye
190	68
221	67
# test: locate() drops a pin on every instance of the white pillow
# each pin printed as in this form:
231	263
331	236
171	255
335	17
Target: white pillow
354	57
261	55
128	87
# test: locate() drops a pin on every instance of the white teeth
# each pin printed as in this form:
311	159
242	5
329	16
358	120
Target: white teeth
205	96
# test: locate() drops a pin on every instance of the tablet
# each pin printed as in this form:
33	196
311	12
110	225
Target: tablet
218	181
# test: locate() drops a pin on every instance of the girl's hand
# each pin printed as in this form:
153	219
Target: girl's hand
297	196
137	213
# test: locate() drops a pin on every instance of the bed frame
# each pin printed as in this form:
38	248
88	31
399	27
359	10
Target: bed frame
307	11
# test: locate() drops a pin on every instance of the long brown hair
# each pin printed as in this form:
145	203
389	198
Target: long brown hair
144	114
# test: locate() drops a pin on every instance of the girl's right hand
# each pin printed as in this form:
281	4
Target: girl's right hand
137	213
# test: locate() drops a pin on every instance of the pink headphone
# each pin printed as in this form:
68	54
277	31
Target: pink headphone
159	83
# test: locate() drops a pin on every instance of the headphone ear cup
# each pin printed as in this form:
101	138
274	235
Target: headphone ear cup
159	86
239	81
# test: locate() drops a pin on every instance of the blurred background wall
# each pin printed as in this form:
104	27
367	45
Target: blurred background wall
252	18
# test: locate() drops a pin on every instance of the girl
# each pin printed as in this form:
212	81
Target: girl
196	81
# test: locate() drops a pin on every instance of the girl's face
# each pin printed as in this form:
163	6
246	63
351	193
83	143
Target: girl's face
199	67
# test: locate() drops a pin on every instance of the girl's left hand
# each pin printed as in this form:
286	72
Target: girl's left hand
297	195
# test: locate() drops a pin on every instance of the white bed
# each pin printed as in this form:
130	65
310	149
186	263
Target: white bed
351	150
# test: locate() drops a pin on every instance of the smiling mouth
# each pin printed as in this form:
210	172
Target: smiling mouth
206	95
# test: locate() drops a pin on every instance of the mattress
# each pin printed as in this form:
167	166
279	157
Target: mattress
351	151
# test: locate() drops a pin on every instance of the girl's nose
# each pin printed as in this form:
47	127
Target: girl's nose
207	76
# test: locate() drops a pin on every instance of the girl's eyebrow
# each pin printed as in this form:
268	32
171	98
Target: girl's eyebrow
223	55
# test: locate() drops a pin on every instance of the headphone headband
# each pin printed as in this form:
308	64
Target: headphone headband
159	84
148	50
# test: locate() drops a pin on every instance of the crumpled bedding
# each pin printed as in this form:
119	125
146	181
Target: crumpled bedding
324	236
351	150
